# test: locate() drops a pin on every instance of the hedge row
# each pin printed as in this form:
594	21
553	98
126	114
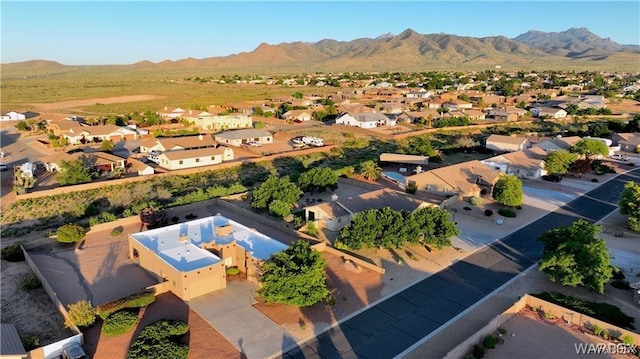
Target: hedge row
120	322
133	301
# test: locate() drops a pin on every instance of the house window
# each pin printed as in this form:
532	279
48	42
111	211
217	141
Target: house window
197	160
180	162
213	158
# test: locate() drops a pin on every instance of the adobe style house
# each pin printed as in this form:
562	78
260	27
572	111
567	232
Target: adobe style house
297	115
365	119
192	257
162	144
180	159
239	137
503	143
524	164
207	121
336	214
472	178
101	161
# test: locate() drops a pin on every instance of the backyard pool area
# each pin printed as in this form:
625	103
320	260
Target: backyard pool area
394	177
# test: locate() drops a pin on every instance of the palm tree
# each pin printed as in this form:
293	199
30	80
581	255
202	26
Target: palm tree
370	170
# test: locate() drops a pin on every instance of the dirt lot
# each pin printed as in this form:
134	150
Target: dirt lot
31	311
530	335
63	105
627	106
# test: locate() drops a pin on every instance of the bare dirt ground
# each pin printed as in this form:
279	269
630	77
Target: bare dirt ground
92	101
530	335
31	311
627	106
351	288
204	341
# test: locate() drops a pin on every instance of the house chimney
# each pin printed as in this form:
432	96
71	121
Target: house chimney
183	237
200	137
165	108
334	197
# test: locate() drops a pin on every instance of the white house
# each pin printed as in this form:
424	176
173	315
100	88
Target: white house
14	116
297	115
180	159
240	137
365	120
524	164
548	111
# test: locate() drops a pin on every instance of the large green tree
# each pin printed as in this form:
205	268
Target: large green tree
590	147
508	191
294	276
436	226
74	172
318	178
630	205
558	162
575	256
275	188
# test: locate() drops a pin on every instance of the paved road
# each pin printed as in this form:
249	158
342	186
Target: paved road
391	326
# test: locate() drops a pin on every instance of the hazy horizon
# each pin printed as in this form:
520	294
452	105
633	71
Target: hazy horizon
101	33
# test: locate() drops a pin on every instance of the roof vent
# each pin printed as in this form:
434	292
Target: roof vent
183	237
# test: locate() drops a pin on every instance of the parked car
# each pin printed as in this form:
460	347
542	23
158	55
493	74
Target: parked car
255	144
619	157
73	351
3	167
552	178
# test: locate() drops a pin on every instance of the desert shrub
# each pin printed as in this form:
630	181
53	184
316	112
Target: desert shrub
507	213
30	342
71	233
627	340
117	231
478	351
488	212
411	188
597	330
549	315
331	300
489	342
475	201
232	271
133	301
81	314
160	340
120	322
31	282
502	331
602	311
12	253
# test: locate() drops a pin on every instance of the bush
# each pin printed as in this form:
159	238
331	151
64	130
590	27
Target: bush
160	340
488	212
411	188
71	233
120	322
232	271
549	315
478	351
133	301
602	311
489	342
507	213
312	229
31	282
475	201
502	331
12	253
597	330
81	314
117	231
30	342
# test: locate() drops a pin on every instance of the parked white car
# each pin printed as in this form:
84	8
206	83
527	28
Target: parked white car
255	144
619	157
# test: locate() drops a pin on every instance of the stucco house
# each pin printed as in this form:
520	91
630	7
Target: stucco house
558	143
502	143
549	112
15	116
239	137
524	164
141	168
171	112
631	144
181	159
297	115
191	258
472	178
338	213
365	119
83	134
97	160
162	144
207	121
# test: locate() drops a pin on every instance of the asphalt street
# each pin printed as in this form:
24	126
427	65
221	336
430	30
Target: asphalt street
391	326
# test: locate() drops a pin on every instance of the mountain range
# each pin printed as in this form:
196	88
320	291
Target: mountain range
410	50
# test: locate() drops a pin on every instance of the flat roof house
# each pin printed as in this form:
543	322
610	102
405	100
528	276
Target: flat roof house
503	143
365	120
239	137
191	257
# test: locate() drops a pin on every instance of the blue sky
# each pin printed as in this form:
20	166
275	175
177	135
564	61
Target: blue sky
119	32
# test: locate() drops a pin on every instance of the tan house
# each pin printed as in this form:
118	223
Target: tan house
82	134
524	164
171	112
336	214
181	159
191	257
502	143
162	144
97	160
240	137
297	115
141	168
558	143
207	121
471	178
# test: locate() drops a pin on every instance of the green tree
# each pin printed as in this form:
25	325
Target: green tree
297	95
279	208
74	172
106	146
434	224
369	170
22	126
590	147
558	162
275	188
630	205
362	230
70	233
318	178
294	276
508	191
81	313
575	256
